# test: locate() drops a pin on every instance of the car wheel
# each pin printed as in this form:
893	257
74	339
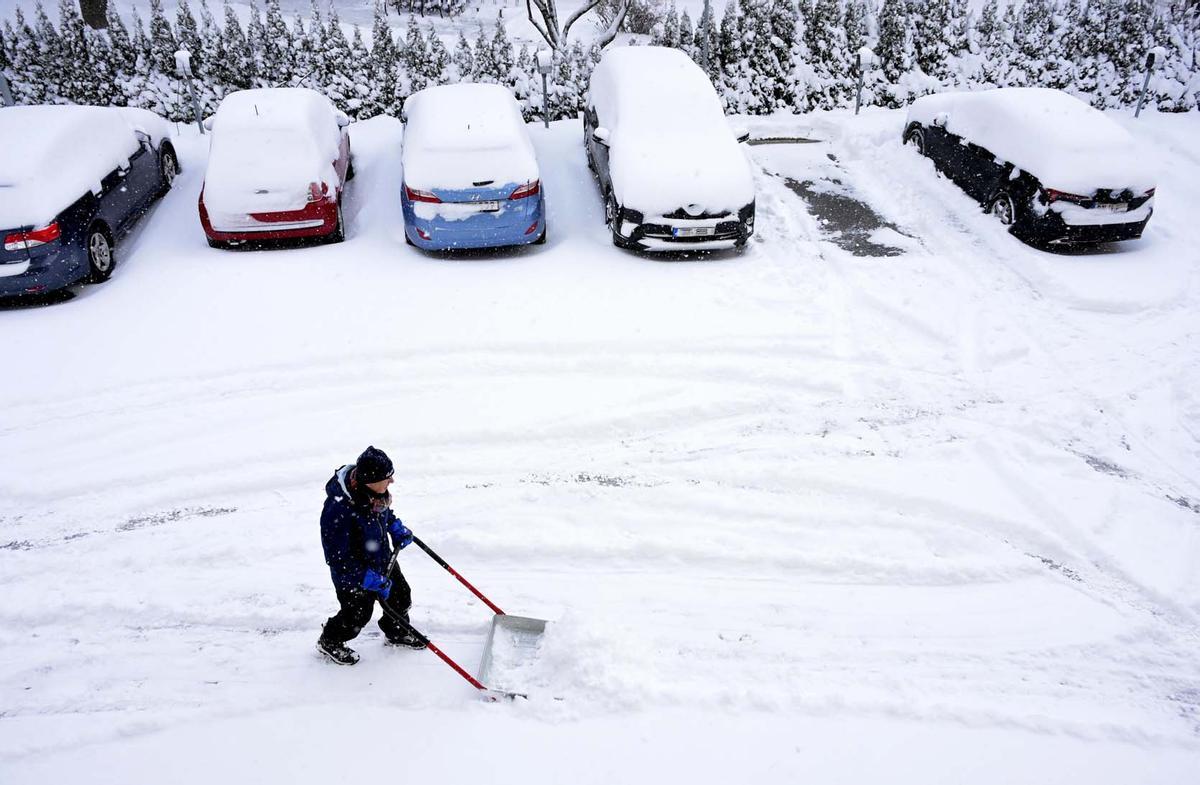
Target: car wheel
350	170
541	240
916	138
169	166
101	259
1004	208
216	243
408	240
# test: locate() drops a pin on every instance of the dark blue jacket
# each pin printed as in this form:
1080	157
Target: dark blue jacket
353	535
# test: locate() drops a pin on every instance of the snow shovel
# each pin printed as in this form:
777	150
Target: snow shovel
522	631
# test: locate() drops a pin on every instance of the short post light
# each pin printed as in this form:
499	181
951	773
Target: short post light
183	67
545	62
863	59
1154	58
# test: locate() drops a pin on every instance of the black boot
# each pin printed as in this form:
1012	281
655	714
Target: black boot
406	639
336	652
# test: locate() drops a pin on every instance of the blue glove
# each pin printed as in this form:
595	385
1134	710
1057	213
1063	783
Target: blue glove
401	535
375	582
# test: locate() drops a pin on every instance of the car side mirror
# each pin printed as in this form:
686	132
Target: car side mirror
343	119
208	123
601	135
741	133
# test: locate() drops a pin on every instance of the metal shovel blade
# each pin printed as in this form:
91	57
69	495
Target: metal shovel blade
511	644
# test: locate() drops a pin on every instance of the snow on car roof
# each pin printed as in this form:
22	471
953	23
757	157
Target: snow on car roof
270	143
670	144
52	155
1054	136
457	135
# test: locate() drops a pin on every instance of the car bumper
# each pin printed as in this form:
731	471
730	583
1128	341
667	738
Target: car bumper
659	233
44	273
317	219
1090	226
519	225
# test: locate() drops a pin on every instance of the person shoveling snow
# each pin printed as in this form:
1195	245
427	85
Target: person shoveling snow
355	524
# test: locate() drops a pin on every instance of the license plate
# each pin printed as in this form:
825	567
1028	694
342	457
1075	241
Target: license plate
488	207
1114	208
693	231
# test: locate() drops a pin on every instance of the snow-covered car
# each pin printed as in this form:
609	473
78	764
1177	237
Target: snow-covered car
471	178
279	161
1050	167
671	170
73	180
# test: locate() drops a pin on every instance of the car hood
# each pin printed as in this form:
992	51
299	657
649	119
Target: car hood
705	171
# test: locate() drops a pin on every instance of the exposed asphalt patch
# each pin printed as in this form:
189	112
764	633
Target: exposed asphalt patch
848	222
1185	503
782	140
1103	466
1065	571
171	516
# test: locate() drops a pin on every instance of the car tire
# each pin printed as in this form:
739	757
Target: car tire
168	165
408	240
350	170
916	138
101	259
216	244
612	214
1004	208
541	240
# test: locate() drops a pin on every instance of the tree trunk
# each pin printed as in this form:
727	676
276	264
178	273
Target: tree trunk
95	13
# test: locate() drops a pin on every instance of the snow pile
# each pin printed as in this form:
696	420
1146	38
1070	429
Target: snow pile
670	145
1062	141
52	155
268	145
458	135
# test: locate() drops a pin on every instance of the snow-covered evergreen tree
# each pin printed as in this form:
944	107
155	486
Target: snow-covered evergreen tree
831	61
502	55
238	69
463	59
381	97
707	43
277	63
735	85
687	34
894	48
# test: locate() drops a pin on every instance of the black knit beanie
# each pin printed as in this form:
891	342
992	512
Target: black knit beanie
372	466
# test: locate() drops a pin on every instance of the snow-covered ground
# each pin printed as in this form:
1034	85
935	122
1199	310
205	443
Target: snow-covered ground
924	512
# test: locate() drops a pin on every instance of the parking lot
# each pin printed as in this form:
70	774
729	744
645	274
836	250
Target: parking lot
877	474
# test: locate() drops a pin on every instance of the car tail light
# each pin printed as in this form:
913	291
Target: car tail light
20	241
317	192
529	189
417	195
532	228
1149	193
1062	196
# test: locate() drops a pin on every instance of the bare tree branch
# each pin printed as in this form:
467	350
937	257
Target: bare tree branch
608	35
588	6
548	27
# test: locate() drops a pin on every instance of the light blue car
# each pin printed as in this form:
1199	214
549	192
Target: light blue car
471	178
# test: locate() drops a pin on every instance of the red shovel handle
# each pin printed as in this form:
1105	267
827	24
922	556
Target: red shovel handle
461	579
413	631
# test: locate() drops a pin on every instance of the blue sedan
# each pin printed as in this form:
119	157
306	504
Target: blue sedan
471	178
73	179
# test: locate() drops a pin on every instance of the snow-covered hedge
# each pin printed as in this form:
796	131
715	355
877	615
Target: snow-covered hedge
763	55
